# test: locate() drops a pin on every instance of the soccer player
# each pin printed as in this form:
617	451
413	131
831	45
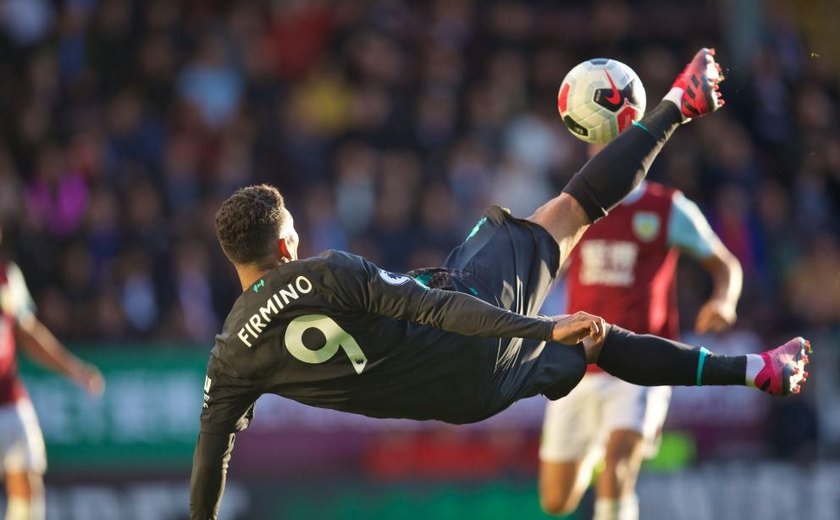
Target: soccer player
458	343
625	267
22	450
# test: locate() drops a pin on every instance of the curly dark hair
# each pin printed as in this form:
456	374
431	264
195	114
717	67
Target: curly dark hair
249	222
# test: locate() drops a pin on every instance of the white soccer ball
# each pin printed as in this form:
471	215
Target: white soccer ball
599	98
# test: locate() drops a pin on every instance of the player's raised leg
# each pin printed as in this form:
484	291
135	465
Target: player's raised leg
607	178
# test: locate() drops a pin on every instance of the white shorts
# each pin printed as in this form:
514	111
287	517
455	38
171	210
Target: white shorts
580	423
21	441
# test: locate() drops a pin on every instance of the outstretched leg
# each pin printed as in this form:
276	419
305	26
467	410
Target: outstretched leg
607	178
649	360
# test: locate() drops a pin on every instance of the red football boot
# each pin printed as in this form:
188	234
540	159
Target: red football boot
700	81
784	368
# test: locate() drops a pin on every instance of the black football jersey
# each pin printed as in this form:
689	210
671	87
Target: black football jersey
335	331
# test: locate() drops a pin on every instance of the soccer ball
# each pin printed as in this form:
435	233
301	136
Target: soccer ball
599	98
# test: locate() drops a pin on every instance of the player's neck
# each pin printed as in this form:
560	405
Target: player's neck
251	274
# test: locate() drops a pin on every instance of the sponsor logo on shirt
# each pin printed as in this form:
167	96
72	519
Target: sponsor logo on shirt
393	278
207	383
608	262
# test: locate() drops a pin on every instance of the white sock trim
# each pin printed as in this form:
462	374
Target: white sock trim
628	507
675	96
605	509
754	365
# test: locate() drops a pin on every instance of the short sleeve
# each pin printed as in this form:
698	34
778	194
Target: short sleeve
17	301
688	229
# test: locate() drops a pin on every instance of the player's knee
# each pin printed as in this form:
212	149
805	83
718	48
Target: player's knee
559	494
24	485
557	504
25	499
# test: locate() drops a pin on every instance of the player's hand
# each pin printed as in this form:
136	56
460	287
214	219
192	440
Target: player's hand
715	316
90	378
571	329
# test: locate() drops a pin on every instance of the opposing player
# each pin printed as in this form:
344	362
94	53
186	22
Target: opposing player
625	268
21	444
457	343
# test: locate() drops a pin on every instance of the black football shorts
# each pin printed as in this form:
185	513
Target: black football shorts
512	263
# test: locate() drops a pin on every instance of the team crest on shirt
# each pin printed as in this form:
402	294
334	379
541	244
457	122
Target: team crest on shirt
646	225
393	278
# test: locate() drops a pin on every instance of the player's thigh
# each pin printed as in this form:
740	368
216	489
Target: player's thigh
509	262
565	221
571	425
635	409
22	449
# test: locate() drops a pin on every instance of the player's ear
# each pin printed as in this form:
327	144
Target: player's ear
283	250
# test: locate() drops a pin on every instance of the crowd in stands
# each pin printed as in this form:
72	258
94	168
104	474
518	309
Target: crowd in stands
388	125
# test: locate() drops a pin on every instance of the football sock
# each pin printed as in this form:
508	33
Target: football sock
19	508
754	365
628	507
675	96
625	508
608	177
644	359
605	509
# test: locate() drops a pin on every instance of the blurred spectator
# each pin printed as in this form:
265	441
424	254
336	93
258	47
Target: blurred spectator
26	21
56	198
389	126
813	284
212	83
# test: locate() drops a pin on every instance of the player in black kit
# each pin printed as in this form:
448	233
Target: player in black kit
458	343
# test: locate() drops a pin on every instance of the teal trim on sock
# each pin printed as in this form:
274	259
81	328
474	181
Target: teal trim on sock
643	127
703	353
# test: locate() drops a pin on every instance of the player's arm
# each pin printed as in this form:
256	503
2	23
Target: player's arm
40	344
689	231
228	409
360	285
209	472
719	313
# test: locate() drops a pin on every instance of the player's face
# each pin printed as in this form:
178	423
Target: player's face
290	236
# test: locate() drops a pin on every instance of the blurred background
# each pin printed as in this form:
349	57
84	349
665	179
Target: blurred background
389	125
